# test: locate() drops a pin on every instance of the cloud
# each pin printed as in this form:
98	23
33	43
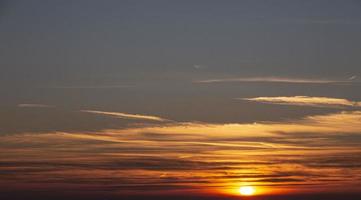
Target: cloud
275	80
306	101
319	21
327	21
27	105
201	156
127	115
197	66
318	124
92	87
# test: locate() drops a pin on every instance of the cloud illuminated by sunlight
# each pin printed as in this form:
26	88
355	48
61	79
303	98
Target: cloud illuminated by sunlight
306	101
126	115
176	156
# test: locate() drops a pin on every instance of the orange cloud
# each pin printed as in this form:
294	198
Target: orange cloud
274	156
306	101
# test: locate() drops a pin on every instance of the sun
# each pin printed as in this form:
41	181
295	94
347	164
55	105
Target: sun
247	190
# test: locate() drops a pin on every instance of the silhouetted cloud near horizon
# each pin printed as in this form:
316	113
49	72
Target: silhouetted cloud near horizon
193	155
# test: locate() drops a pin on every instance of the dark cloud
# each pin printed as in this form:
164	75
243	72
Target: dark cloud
346	161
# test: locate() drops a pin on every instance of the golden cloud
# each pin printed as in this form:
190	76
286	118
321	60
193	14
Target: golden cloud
306	101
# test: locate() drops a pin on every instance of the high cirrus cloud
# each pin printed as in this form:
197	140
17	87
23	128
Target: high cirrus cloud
91	87
29	105
306	101
276	80
127	115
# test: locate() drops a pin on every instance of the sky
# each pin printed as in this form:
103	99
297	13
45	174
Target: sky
180	99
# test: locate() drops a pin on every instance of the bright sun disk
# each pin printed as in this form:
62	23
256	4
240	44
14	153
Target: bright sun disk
246	190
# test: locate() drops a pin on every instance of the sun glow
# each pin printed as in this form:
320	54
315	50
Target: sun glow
247	190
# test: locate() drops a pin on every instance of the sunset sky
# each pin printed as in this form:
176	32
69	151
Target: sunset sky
180	99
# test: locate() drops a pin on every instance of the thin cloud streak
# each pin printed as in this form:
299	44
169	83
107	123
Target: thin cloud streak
306	101
127	115
323	21
27	105
91	87
275	80
192	155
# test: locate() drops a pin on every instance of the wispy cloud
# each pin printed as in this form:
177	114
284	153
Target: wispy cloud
306	101
315	21
276	80
192	155
127	115
91	87
28	105
326	21
198	66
